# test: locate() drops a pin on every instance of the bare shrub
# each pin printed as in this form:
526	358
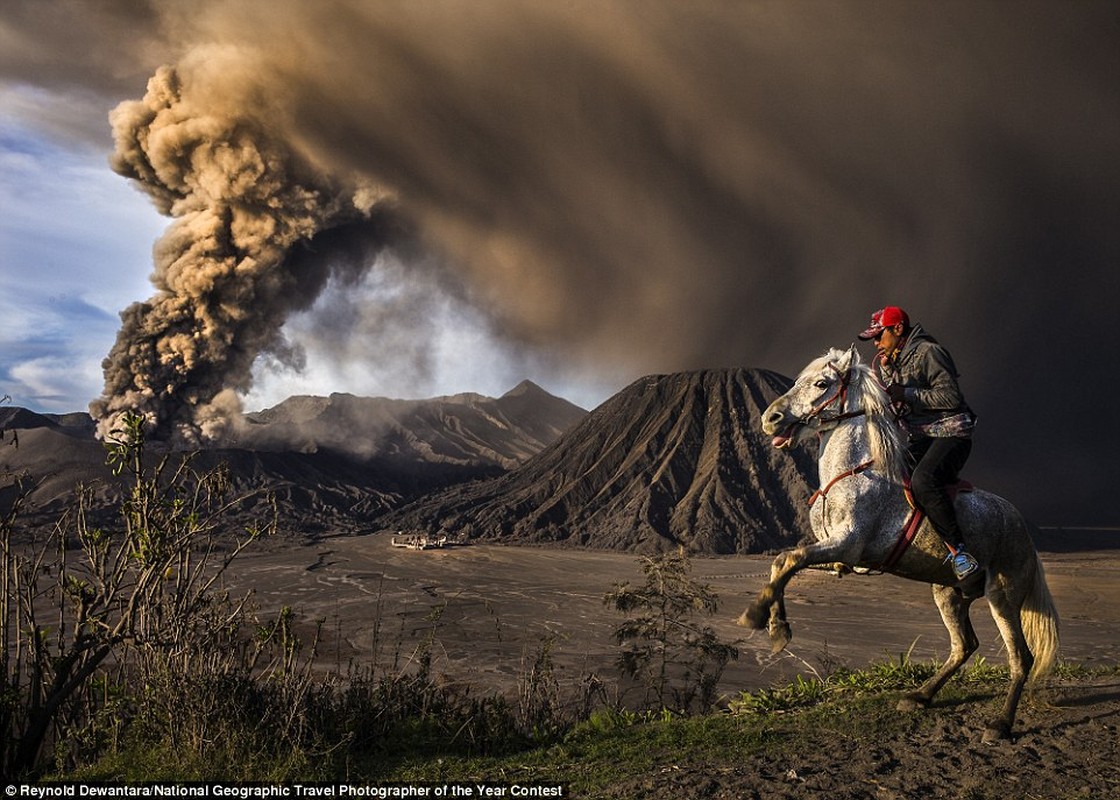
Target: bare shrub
676	660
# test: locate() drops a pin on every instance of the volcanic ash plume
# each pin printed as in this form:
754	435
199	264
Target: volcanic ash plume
232	265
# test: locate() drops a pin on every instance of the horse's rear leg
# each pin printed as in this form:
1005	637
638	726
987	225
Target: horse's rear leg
962	644
1005	612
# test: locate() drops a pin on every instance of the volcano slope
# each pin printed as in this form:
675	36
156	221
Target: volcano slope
672	460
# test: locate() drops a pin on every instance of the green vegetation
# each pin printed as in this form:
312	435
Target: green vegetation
607	748
612	748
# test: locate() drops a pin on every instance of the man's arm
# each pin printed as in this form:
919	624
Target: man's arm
940	390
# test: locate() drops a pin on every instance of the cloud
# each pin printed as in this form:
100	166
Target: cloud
674	187
393	330
42	365
66	216
49	383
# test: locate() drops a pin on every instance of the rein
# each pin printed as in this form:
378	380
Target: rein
816	419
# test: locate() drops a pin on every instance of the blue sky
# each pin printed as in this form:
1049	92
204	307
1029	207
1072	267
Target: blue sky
75	245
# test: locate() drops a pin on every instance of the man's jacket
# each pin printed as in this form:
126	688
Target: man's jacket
935	405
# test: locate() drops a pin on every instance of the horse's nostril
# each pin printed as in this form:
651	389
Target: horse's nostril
774	417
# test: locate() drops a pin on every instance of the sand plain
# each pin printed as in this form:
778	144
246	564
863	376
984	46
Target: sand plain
488	609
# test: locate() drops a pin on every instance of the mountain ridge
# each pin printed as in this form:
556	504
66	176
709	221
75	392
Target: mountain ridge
334	463
456	429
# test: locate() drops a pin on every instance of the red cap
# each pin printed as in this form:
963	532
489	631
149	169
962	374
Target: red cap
885	318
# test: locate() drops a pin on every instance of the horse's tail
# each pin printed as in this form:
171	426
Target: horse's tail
1039	618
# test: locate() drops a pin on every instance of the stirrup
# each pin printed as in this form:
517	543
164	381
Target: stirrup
963	564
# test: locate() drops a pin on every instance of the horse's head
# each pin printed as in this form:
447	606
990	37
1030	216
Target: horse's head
817	397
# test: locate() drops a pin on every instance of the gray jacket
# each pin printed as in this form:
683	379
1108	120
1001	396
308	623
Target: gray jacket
934	401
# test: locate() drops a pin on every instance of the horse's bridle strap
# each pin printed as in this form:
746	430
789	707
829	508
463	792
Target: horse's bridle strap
841	395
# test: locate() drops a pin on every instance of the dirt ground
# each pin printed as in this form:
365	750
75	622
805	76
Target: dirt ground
488	606
1067	747
488	610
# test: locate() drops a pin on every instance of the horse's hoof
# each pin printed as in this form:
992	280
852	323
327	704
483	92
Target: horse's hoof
998	731
912	702
780	636
754	617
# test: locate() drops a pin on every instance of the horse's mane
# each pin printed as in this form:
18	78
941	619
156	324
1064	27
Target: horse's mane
885	437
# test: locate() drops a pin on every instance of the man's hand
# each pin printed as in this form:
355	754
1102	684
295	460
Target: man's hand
897	393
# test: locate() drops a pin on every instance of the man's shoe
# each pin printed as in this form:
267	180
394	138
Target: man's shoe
964	565
973	587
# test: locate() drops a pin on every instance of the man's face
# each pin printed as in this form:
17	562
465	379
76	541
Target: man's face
888	340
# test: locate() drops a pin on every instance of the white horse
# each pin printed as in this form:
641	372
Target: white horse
860	512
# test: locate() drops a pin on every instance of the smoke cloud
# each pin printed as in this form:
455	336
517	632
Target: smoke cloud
633	187
256	235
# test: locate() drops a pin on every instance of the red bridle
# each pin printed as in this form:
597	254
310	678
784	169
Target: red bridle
841	395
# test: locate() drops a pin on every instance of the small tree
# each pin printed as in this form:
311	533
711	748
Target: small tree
82	597
678	661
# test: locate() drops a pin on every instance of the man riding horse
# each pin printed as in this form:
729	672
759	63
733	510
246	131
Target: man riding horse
860	517
921	379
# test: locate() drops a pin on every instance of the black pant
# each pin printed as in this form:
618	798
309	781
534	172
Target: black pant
938	463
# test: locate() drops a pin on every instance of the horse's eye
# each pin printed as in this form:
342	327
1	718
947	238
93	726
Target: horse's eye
821	384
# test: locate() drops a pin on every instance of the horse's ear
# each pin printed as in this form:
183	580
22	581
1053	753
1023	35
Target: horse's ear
847	360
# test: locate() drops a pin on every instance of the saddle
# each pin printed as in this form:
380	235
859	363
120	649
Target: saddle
914	521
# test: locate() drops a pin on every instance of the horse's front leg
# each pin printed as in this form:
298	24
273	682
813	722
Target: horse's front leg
769	609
